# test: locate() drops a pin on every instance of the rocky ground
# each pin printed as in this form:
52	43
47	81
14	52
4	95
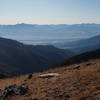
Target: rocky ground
74	82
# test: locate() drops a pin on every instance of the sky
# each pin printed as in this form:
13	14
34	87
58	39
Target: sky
49	11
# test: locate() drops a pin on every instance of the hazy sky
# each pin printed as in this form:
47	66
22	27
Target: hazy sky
49	11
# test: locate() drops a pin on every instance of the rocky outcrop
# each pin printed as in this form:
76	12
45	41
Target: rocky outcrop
13	90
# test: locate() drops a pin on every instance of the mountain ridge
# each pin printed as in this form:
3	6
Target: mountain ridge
22	58
95	54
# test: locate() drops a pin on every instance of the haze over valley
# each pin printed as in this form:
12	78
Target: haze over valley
49	34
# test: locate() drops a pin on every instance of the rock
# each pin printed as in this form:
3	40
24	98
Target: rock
22	89
49	75
14	90
8	91
29	76
88	64
77	67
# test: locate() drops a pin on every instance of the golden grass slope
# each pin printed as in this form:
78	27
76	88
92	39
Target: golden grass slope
71	84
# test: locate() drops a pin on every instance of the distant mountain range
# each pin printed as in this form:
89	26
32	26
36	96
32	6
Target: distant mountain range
20	59
29	33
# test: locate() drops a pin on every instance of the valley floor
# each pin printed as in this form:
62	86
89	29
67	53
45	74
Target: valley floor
75	82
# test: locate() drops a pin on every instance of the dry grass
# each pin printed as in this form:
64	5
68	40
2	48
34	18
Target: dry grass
73	84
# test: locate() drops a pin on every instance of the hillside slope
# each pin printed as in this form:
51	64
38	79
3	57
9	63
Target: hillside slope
81	58
71	84
20	58
80	43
